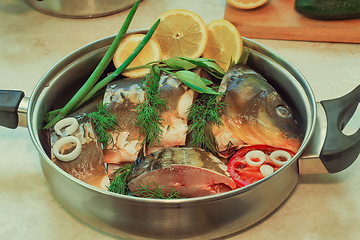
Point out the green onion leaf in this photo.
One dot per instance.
(94, 77)
(122, 67)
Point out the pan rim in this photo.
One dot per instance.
(46, 79)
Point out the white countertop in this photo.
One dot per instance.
(321, 206)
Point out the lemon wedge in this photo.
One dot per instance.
(151, 52)
(224, 43)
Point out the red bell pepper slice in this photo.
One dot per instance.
(242, 173)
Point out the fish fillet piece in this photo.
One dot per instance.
(254, 113)
(123, 97)
(191, 171)
(174, 120)
(89, 166)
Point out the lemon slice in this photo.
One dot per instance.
(181, 33)
(151, 52)
(246, 4)
(224, 43)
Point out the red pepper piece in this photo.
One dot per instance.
(242, 173)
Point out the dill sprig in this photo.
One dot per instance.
(202, 114)
(156, 192)
(104, 122)
(149, 111)
(119, 182)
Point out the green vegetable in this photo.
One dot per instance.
(120, 180)
(194, 81)
(104, 122)
(328, 9)
(149, 111)
(185, 64)
(207, 64)
(51, 115)
(83, 91)
(123, 66)
(203, 113)
(119, 183)
(157, 192)
(179, 64)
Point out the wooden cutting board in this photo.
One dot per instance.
(277, 19)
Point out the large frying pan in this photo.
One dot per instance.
(324, 149)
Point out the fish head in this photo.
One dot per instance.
(257, 112)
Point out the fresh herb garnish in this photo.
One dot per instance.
(191, 79)
(119, 182)
(104, 122)
(149, 111)
(101, 84)
(156, 192)
(195, 82)
(203, 113)
(207, 64)
(180, 66)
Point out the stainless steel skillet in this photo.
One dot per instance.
(205, 217)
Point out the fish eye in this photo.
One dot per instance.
(282, 111)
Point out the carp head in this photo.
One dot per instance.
(256, 111)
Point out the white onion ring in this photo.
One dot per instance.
(266, 170)
(255, 154)
(70, 156)
(279, 153)
(72, 124)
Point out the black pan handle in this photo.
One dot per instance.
(339, 150)
(9, 103)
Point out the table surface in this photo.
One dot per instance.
(321, 206)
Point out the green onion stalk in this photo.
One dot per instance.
(94, 77)
(122, 67)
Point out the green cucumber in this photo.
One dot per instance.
(328, 9)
